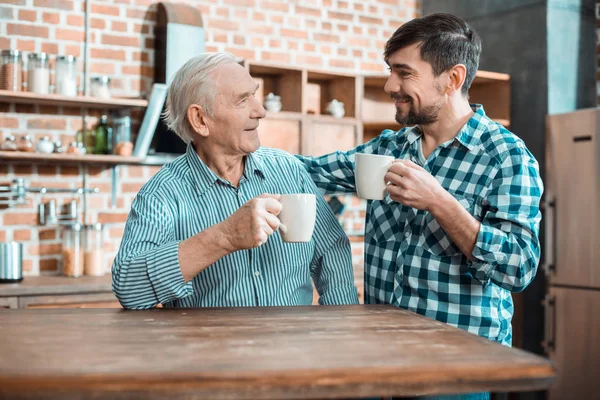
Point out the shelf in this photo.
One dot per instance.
(487, 76)
(331, 120)
(381, 125)
(284, 115)
(7, 96)
(109, 159)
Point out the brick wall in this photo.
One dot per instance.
(336, 35)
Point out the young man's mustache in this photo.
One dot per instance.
(399, 97)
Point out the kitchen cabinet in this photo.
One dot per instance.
(572, 268)
(573, 324)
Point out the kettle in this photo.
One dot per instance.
(11, 262)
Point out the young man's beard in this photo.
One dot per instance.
(426, 116)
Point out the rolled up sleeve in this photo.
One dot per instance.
(146, 270)
(507, 251)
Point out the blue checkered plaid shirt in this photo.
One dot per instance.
(409, 259)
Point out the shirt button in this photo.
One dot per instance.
(257, 273)
(406, 234)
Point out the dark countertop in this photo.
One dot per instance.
(56, 285)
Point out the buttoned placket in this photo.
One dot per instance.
(253, 256)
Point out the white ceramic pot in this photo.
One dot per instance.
(272, 103)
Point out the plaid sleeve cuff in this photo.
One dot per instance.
(487, 253)
(165, 273)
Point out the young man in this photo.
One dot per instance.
(458, 230)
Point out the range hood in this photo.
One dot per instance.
(179, 36)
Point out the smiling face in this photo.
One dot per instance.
(236, 111)
(417, 93)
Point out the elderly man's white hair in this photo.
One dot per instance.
(193, 84)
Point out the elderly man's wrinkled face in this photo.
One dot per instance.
(236, 111)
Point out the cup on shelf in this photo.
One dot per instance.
(100, 86)
(336, 108)
(273, 103)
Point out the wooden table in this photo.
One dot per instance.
(279, 352)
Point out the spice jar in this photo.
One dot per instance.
(58, 148)
(9, 144)
(72, 251)
(93, 256)
(100, 86)
(38, 73)
(72, 149)
(11, 70)
(44, 146)
(65, 75)
(121, 132)
(25, 144)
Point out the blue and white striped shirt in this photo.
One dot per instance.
(184, 198)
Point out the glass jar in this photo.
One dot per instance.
(100, 86)
(38, 73)
(11, 70)
(93, 256)
(72, 250)
(65, 75)
(121, 130)
(44, 146)
(25, 144)
(58, 147)
(9, 144)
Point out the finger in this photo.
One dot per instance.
(395, 193)
(393, 178)
(271, 205)
(412, 165)
(272, 221)
(399, 168)
(262, 239)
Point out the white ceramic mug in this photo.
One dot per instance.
(369, 173)
(297, 216)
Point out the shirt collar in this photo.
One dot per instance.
(469, 135)
(204, 177)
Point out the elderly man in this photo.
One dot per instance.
(204, 230)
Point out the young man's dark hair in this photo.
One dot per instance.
(445, 41)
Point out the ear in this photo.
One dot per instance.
(196, 116)
(456, 78)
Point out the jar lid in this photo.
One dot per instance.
(11, 53)
(68, 58)
(100, 79)
(38, 56)
(94, 227)
(46, 138)
(74, 227)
